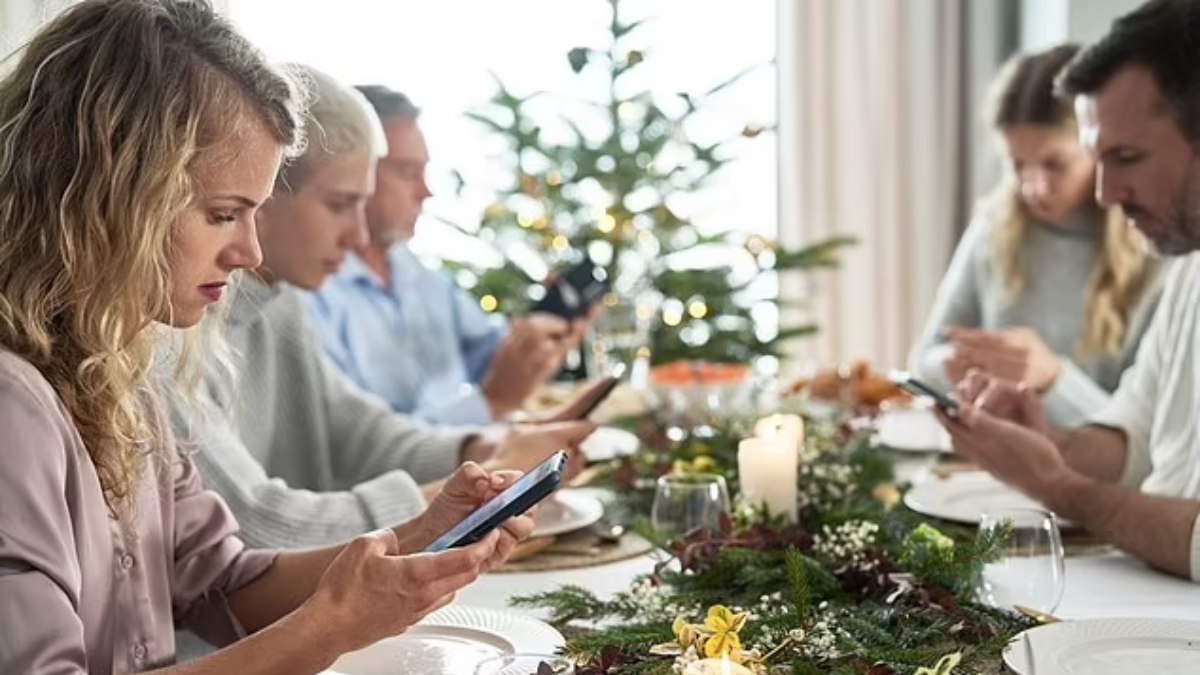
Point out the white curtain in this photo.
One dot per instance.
(875, 97)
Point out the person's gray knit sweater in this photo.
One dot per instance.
(1058, 263)
(301, 455)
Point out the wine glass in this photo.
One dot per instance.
(1030, 569)
(525, 664)
(620, 336)
(684, 504)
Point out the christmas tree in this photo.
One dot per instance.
(608, 195)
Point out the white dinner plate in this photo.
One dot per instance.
(1107, 647)
(911, 429)
(452, 641)
(566, 511)
(607, 443)
(964, 496)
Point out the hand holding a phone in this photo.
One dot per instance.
(584, 403)
(470, 487)
(524, 446)
(528, 357)
(1005, 399)
(371, 590)
(1020, 456)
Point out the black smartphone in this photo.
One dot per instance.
(530, 489)
(610, 383)
(570, 295)
(912, 385)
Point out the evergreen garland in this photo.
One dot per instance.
(858, 586)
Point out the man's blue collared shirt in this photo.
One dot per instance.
(423, 344)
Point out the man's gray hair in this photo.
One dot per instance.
(389, 104)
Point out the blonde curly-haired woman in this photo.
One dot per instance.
(137, 140)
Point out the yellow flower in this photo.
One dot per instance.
(685, 633)
(704, 465)
(724, 627)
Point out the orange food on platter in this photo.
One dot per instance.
(682, 373)
(853, 383)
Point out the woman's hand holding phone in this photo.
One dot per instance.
(524, 446)
(470, 487)
(373, 590)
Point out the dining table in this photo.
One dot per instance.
(1104, 583)
(1099, 582)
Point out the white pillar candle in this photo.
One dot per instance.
(767, 473)
(789, 428)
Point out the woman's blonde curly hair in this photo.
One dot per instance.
(103, 120)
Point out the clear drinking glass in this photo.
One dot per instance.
(526, 664)
(621, 335)
(683, 504)
(1030, 570)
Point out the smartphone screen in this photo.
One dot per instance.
(518, 498)
(912, 385)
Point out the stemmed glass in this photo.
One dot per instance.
(683, 504)
(1030, 570)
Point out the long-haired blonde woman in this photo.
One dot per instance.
(1046, 287)
(137, 140)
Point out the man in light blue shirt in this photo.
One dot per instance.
(406, 332)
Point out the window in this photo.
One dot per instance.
(442, 53)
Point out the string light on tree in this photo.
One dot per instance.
(611, 182)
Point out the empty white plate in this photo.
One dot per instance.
(451, 641)
(964, 496)
(607, 443)
(1107, 647)
(566, 511)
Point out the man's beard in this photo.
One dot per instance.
(1179, 231)
(389, 237)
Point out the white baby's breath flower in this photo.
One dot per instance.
(688, 657)
(847, 543)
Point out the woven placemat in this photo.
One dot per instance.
(577, 549)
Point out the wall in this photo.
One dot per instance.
(1090, 19)
(1048, 22)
